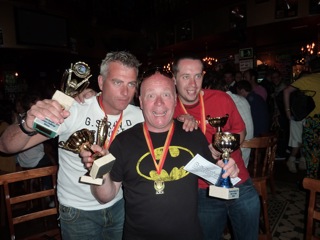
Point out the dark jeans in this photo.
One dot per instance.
(104, 224)
(243, 213)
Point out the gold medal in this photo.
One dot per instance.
(159, 186)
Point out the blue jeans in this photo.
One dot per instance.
(106, 224)
(243, 213)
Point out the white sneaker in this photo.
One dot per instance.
(302, 164)
(292, 166)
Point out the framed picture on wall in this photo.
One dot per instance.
(286, 8)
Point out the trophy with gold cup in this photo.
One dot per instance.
(217, 122)
(225, 143)
(83, 140)
(74, 81)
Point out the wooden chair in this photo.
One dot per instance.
(313, 213)
(13, 199)
(261, 186)
(263, 152)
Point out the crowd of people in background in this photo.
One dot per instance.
(265, 94)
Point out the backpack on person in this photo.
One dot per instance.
(301, 103)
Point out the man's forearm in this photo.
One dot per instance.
(106, 192)
(14, 140)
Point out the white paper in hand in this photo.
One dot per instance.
(206, 169)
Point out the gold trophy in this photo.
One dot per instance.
(225, 143)
(79, 140)
(217, 122)
(83, 139)
(74, 81)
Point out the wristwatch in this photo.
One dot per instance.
(22, 121)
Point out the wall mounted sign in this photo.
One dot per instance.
(245, 53)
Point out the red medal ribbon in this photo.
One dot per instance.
(165, 147)
(115, 129)
(203, 114)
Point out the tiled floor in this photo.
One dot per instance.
(292, 224)
(289, 188)
(292, 197)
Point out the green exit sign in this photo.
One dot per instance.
(246, 53)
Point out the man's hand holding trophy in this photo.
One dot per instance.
(83, 140)
(74, 81)
(225, 143)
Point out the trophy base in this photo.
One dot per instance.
(46, 126)
(65, 100)
(102, 165)
(89, 180)
(224, 193)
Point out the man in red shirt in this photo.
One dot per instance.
(192, 99)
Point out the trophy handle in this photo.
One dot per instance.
(88, 148)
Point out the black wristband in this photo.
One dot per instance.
(22, 120)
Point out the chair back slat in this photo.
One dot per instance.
(28, 174)
(32, 196)
(35, 215)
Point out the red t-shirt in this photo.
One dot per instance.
(218, 104)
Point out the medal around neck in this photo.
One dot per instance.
(225, 143)
(74, 81)
(159, 186)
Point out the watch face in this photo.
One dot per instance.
(22, 116)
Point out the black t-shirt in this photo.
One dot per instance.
(173, 214)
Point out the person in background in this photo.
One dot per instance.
(295, 141)
(210, 79)
(160, 196)
(311, 127)
(268, 85)
(229, 78)
(81, 215)
(251, 76)
(258, 107)
(243, 212)
(279, 118)
(238, 76)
